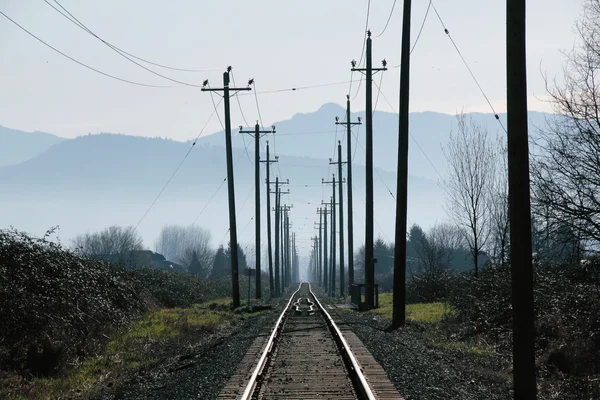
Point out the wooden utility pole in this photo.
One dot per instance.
(235, 283)
(339, 163)
(332, 270)
(519, 203)
(369, 215)
(333, 235)
(286, 244)
(350, 209)
(256, 134)
(278, 235)
(277, 287)
(320, 248)
(324, 213)
(399, 298)
(269, 248)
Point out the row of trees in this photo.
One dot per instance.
(185, 246)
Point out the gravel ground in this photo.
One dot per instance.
(421, 372)
(199, 371)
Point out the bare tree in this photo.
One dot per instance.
(113, 244)
(566, 167)
(470, 165)
(499, 221)
(437, 248)
(188, 246)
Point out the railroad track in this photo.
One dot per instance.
(307, 356)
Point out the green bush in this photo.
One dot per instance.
(57, 307)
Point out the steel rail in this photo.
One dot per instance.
(249, 391)
(345, 348)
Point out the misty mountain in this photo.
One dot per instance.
(313, 134)
(18, 146)
(90, 182)
(93, 181)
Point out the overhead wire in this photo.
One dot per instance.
(421, 29)
(294, 89)
(388, 20)
(468, 67)
(362, 52)
(244, 118)
(81, 63)
(177, 169)
(75, 21)
(145, 60)
(418, 145)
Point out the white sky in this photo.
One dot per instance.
(281, 44)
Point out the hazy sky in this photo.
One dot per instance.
(281, 44)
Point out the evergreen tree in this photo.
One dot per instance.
(196, 266)
(221, 265)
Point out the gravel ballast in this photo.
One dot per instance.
(199, 371)
(421, 372)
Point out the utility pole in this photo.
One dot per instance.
(235, 283)
(333, 244)
(256, 134)
(324, 213)
(332, 257)
(269, 249)
(277, 287)
(369, 216)
(519, 203)
(339, 163)
(317, 251)
(399, 297)
(350, 209)
(320, 248)
(286, 240)
(278, 236)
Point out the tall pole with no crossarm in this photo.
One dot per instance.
(256, 134)
(235, 283)
(369, 215)
(399, 298)
(524, 374)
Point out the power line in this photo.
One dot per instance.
(79, 62)
(258, 107)
(362, 52)
(178, 167)
(421, 29)
(293, 89)
(243, 117)
(388, 20)
(210, 200)
(215, 106)
(75, 21)
(147, 61)
(419, 146)
(468, 68)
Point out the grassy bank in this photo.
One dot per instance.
(70, 324)
(431, 319)
(151, 340)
